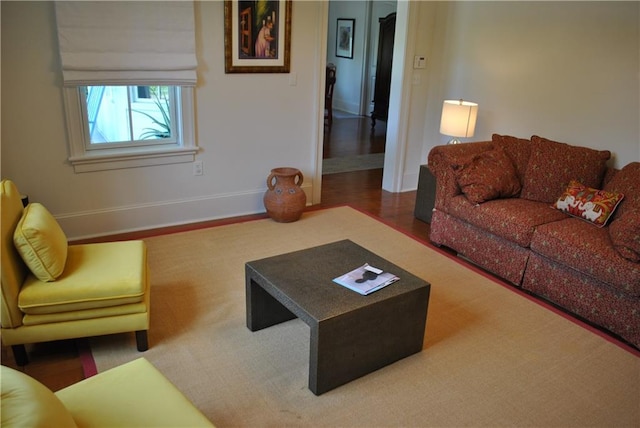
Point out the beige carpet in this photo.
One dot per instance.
(491, 357)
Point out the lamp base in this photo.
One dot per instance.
(454, 141)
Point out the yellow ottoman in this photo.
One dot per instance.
(135, 394)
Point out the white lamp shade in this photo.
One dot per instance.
(458, 118)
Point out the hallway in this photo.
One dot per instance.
(350, 144)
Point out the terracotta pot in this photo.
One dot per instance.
(285, 200)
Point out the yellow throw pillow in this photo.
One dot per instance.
(28, 403)
(41, 242)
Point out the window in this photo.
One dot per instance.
(113, 127)
(111, 56)
(129, 115)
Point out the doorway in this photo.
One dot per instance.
(351, 143)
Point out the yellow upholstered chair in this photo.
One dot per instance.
(134, 394)
(54, 291)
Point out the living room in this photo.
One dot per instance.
(526, 63)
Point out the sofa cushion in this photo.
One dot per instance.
(513, 219)
(624, 227)
(593, 205)
(487, 175)
(579, 245)
(552, 165)
(97, 276)
(518, 149)
(41, 242)
(27, 403)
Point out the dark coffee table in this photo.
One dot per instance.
(351, 334)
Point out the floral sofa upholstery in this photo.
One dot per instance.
(550, 218)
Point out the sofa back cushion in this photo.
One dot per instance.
(518, 149)
(552, 165)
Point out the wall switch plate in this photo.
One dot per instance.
(197, 168)
(419, 62)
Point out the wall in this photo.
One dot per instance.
(568, 71)
(246, 125)
(347, 90)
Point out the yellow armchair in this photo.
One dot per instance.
(54, 291)
(134, 394)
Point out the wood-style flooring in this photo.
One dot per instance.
(57, 364)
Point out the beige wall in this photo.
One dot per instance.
(563, 70)
(246, 125)
(566, 71)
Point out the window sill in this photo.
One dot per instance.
(119, 159)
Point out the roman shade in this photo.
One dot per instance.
(126, 43)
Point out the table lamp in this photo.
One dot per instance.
(458, 119)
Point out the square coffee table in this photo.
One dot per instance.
(351, 334)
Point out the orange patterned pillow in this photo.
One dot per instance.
(588, 204)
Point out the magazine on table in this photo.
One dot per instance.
(366, 279)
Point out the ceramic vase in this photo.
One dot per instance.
(284, 199)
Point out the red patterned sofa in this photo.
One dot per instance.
(510, 206)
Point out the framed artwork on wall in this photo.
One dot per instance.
(257, 36)
(344, 37)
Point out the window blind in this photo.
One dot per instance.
(126, 43)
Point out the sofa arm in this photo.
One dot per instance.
(440, 161)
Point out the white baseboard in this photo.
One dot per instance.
(111, 221)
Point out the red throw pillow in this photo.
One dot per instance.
(624, 229)
(588, 204)
(487, 175)
(625, 235)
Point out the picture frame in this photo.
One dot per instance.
(257, 36)
(345, 28)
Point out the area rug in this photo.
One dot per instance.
(353, 163)
(491, 356)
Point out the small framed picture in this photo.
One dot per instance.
(344, 37)
(257, 36)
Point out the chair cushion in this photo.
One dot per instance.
(27, 403)
(41, 242)
(96, 276)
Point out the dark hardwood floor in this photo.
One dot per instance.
(57, 364)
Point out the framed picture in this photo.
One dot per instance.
(257, 36)
(344, 37)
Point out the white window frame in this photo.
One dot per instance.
(84, 160)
